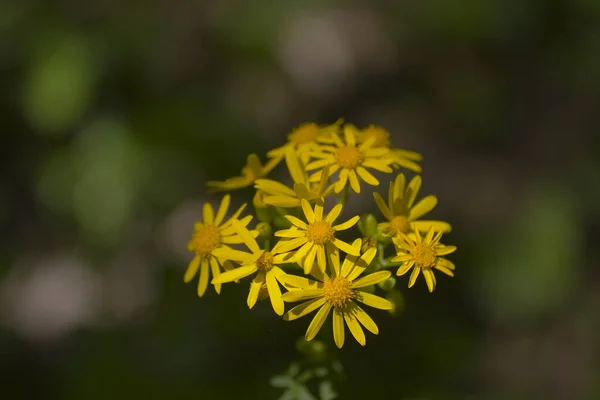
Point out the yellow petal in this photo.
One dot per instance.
(338, 328)
(290, 233)
(349, 135)
(367, 176)
(345, 247)
(297, 222)
(355, 328)
(424, 206)
(216, 271)
(317, 322)
(404, 268)
(292, 244)
(371, 279)
(412, 190)
(321, 261)
(354, 184)
(235, 215)
(378, 165)
(230, 254)
(399, 186)
(293, 164)
(348, 224)
(361, 264)
(245, 234)
(443, 250)
(403, 162)
(192, 269)
(410, 155)
(373, 301)
(333, 255)
(444, 269)
(230, 229)
(402, 257)
(446, 263)
(382, 206)
(301, 191)
(304, 308)
(430, 279)
(207, 213)
(275, 294)
(342, 180)
(203, 282)
(318, 212)
(309, 260)
(318, 164)
(364, 318)
(253, 162)
(223, 207)
(334, 213)
(299, 281)
(413, 277)
(423, 226)
(308, 212)
(235, 274)
(255, 286)
(302, 294)
(303, 251)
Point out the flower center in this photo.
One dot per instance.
(320, 232)
(424, 255)
(400, 224)
(380, 137)
(337, 291)
(305, 133)
(265, 261)
(349, 157)
(205, 240)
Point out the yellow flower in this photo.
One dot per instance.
(424, 255)
(252, 171)
(279, 195)
(316, 238)
(340, 292)
(258, 260)
(401, 212)
(351, 159)
(211, 234)
(381, 138)
(305, 139)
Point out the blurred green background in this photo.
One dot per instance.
(114, 115)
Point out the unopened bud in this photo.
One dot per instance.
(264, 230)
(368, 225)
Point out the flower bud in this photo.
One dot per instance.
(396, 298)
(368, 225)
(264, 230)
(368, 243)
(264, 212)
(388, 284)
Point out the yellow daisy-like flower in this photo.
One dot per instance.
(401, 211)
(252, 171)
(381, 138)
(305, 139)
(340, 292)
(280, 195)
(352, 159)
(424, 254)
(209, 235)
(258, 260)
(316, 238)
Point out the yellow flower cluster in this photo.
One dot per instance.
(297, 244)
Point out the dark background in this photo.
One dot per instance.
(115, 113)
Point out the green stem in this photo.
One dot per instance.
(344, 198)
